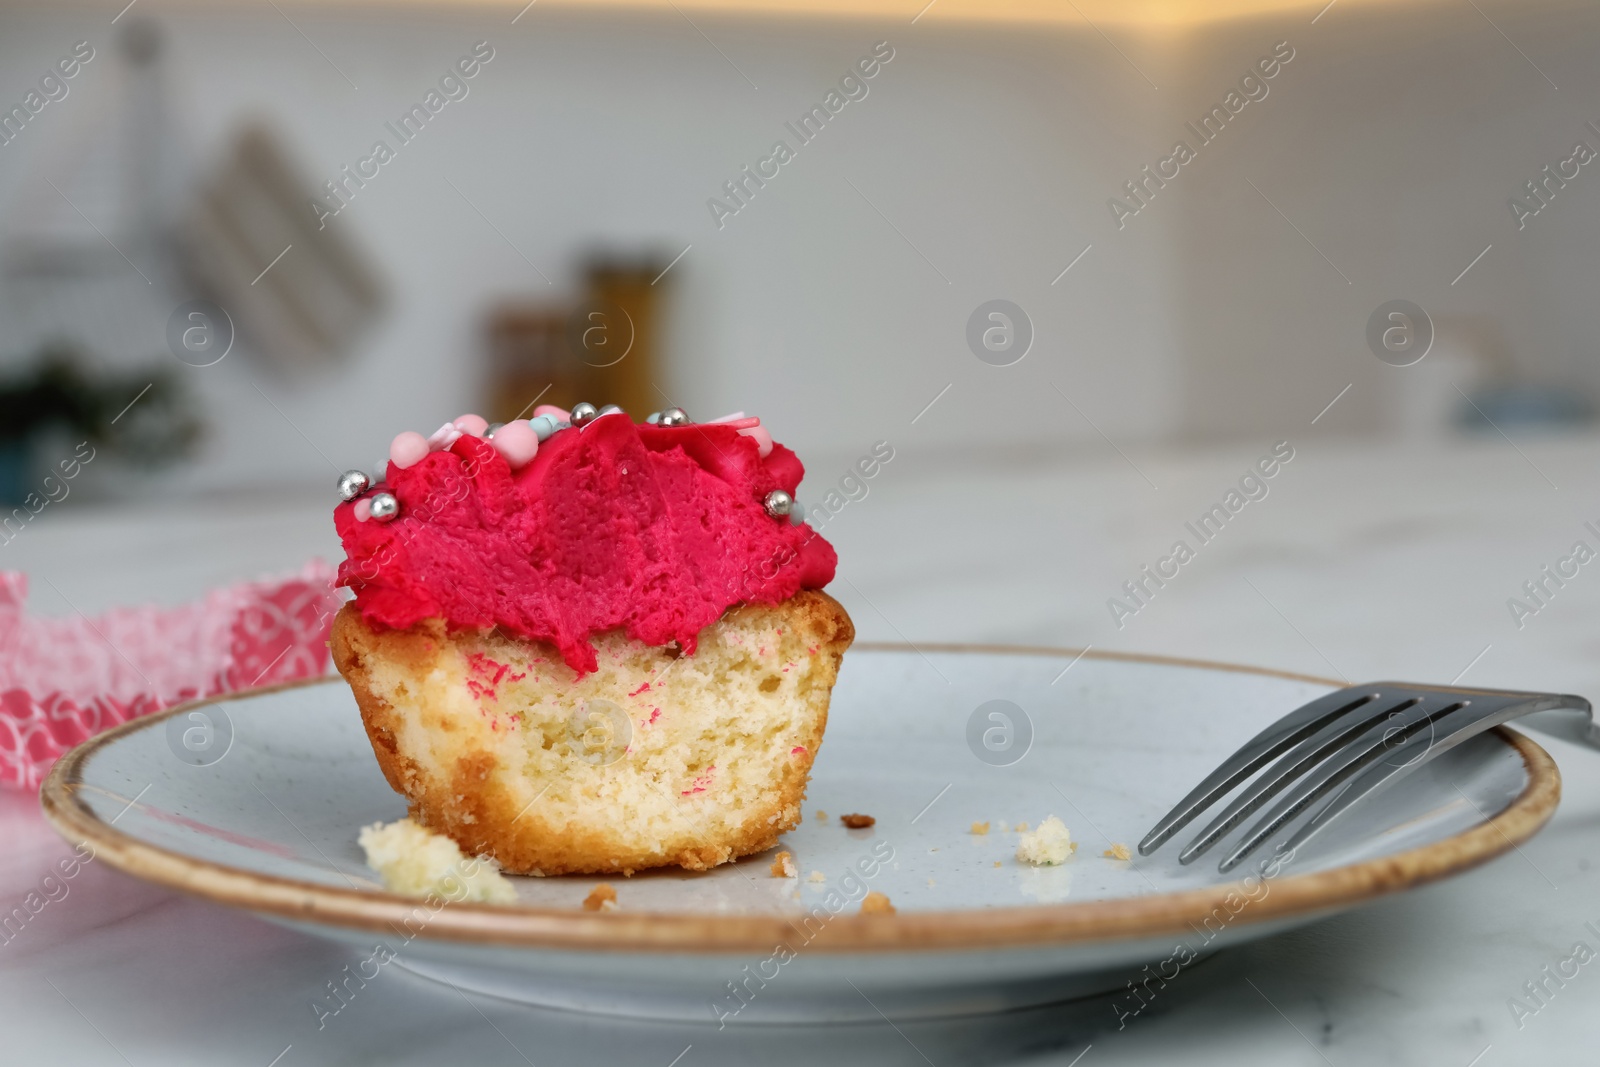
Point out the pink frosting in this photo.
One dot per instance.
(653, 530)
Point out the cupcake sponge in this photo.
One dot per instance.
(654, 759)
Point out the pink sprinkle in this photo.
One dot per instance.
(761, 437)
(798, 750)
(517, 442)
(474, 425)
(363, 509)
(482, 664)
(491, 671)
(735, 417)
(700, 783)
(639, 690)
(763, 651)
(812, 650)
(407, 449)
(655, 713)
(443, 437)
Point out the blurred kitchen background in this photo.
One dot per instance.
(168, 292)
(578, 166)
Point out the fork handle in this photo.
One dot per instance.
(1568, 723)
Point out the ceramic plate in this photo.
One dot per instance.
(254, 801)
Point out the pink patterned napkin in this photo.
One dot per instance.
(64, 680)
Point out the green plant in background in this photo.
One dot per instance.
(145, 415)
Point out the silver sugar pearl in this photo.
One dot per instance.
(544, 426)
(611, 409)
(352, 484)
(583, 414)
(673, 417)
(493, 426)
(778, 503)
(384, 506)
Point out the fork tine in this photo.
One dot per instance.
(1254, 754)
(1322, 746)
(1381, 739)
(1376, 766)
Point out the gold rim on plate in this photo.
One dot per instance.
(988, 928)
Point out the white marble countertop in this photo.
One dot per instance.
(1363, 561)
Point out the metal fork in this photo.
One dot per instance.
(1352, 743)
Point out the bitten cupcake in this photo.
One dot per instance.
(582, 644)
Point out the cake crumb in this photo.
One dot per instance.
(876, 903)
(416, 862)
(980, 828)
(997, 863)
(857, 822)
(783, 866)
(1047, 846)
(816, 876)
(1117, 851)
(930, 883)
(601, 898)
(822, 816)
(1022, 827)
